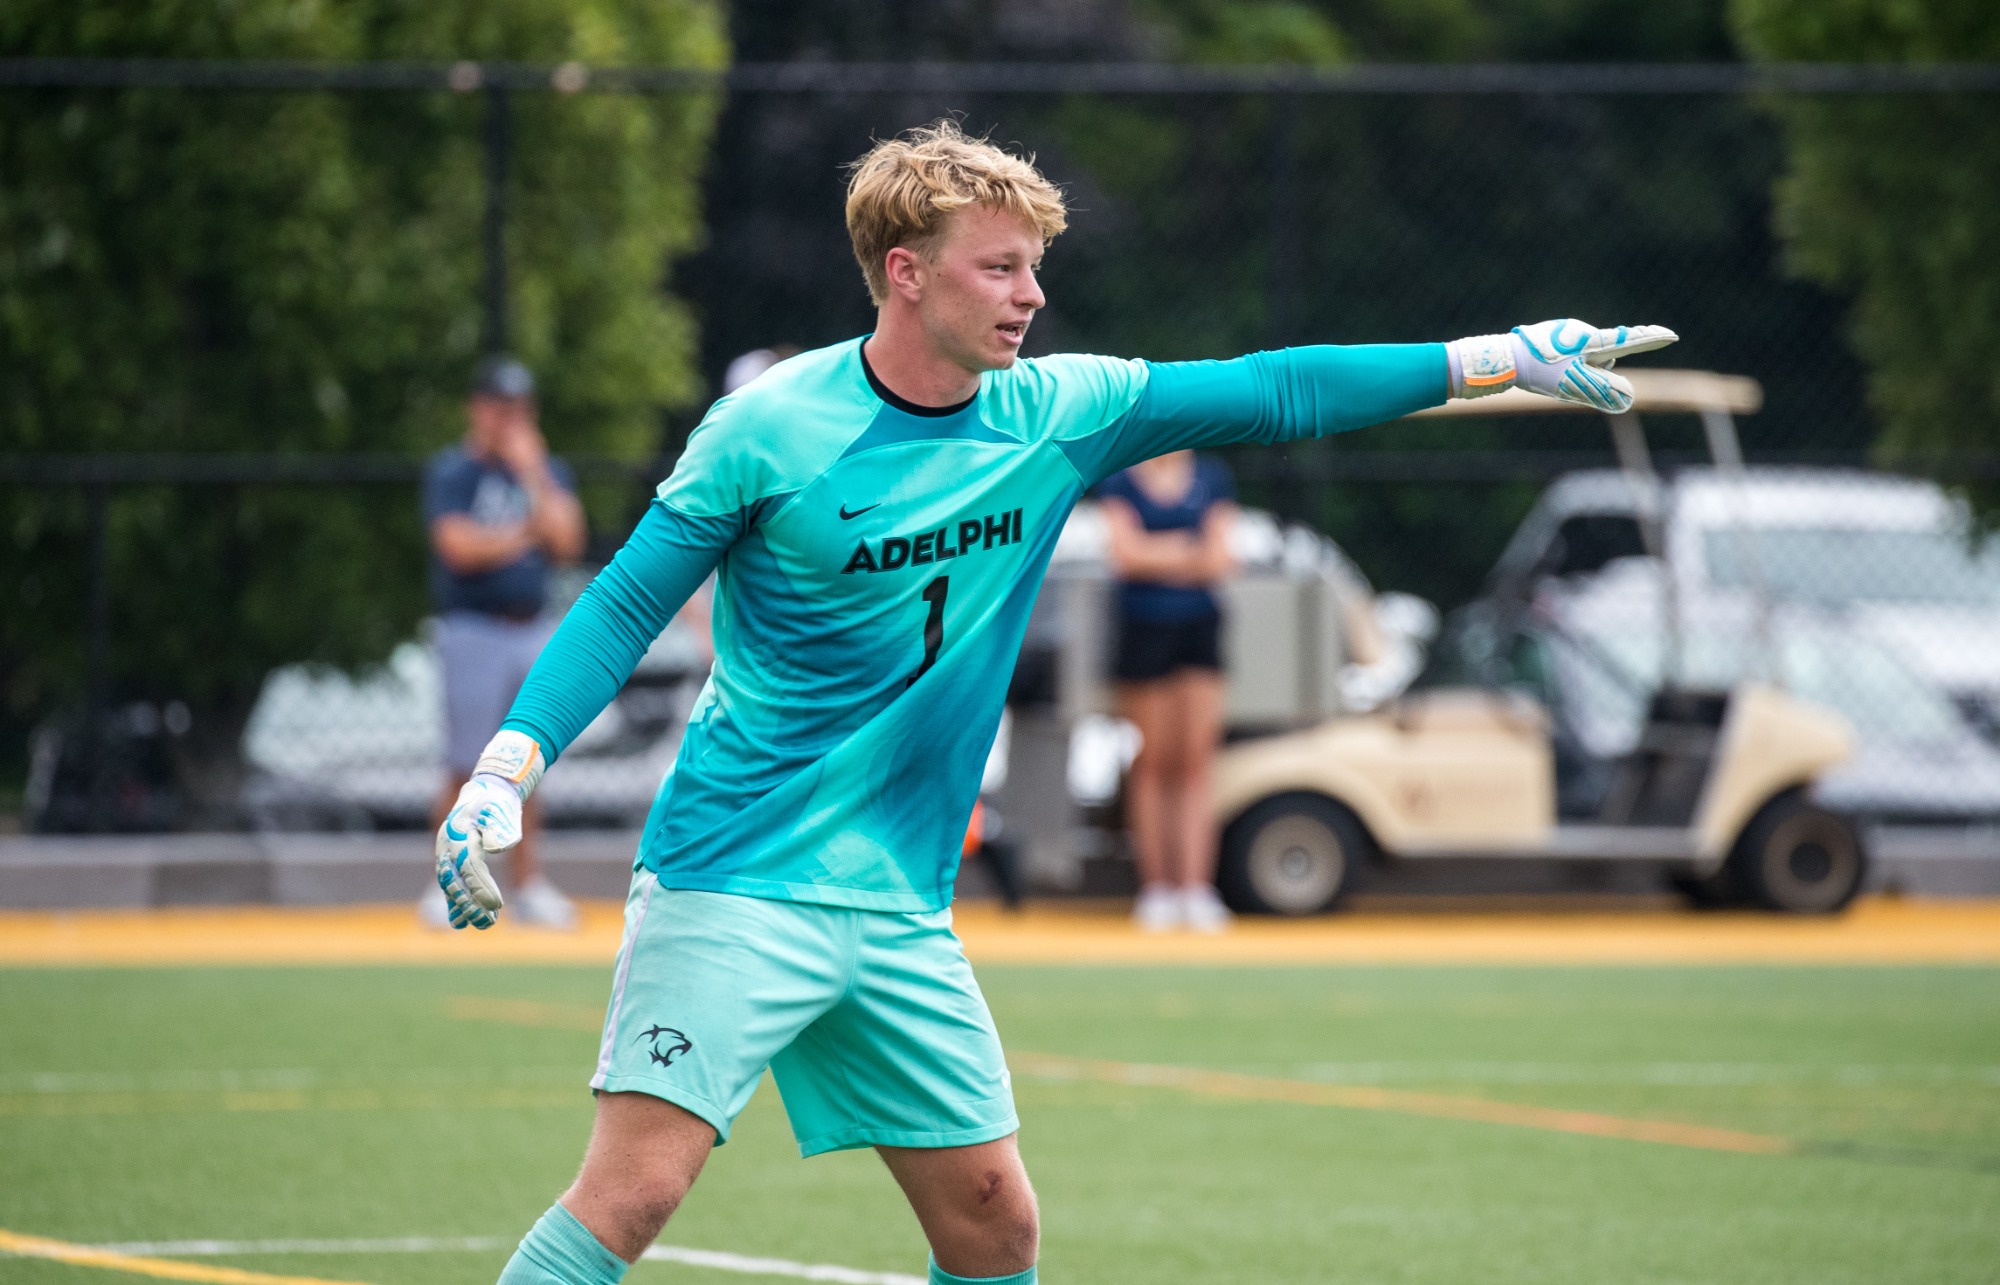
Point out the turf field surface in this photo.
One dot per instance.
(1216, 1124)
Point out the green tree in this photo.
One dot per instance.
(220, 271)
(1893, 198)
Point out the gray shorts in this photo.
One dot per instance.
(485, 659)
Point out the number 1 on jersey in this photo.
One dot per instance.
(934, 593)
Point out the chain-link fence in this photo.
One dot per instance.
(1212, 214)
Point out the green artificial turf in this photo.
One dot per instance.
(240, 1104)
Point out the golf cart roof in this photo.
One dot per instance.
(1666, 391)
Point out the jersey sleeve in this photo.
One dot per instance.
(734, 465)
(616, 619)
(1264, 398)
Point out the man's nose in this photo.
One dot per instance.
(1030, 296)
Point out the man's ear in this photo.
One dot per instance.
(905, 270)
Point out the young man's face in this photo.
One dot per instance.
(978, 288)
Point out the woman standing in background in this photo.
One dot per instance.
(1169, 521)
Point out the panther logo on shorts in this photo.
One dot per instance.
(664, 1044)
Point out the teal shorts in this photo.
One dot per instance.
(869, 1020)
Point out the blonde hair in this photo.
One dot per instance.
(905, 188)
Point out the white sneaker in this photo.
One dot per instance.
(542, 904)
(1203, 911)
(1158, 909)
(432, 912)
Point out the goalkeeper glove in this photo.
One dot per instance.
(485, 821)
(1568, 360)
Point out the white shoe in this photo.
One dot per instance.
(432, 912)
(1203, 911)
(1158, 909)
(542, 904)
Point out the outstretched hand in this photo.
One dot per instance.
(1568, 360)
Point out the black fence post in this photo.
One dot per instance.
(499, 153)
(97, 648)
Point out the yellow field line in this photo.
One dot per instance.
(62, 1251)
(1259, 1088)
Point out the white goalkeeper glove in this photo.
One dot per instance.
(1568, 360)
(484, 822)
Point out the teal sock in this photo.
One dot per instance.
(939, 1276)
(559, 1250)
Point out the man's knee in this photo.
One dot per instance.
(627, 1212)
(644, 1154)
(634, 1218)
(1002, 1205)
(1019, 1234)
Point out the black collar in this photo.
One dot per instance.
(903, 404)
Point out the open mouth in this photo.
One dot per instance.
(1013, 331)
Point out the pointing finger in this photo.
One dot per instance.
(1614, 342)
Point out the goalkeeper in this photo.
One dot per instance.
(878, 515)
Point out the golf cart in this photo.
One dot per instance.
(1717, 788)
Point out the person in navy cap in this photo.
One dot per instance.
(500, 511)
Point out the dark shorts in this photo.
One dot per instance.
(1149, 649)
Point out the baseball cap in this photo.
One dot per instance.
(502, 376)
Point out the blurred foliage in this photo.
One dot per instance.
(1532, 30)
(196, 271)
(1897, 199)
(1270, 31)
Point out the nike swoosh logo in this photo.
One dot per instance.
(845, 516)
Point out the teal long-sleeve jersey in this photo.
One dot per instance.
(876, 563)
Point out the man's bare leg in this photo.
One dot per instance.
(974, 1203)
(644, 1154)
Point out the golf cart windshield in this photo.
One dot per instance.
(1831, 566)
(1610, 672)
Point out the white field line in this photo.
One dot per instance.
(717, 1260)
(777, 1267)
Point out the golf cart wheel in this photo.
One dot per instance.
(1292, 854)
(1799, 858)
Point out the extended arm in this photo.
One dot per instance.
(1273, 397)
(592, 653)
(1314, 391)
